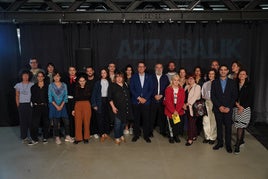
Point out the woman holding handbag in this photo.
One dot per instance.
(174, 101)
(193, 93)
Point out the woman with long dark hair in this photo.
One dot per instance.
(242, 111)
(100, 104)
(82, 110)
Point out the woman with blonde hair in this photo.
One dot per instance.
(174, 101)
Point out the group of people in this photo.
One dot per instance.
(134, 103)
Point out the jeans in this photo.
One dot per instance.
(118, 128)
(56, 126)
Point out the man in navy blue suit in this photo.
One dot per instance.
(223, 95)
(160, 83)
(141, 91)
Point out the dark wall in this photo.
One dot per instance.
(187, 44)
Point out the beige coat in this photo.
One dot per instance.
(194, 94)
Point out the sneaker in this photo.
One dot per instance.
(25, 141)
(236, 150)
(131, 131)
(242, 144)
(58, 141)
(126, 131)
(32, 143)
(69, 139)
(96, 136)
(45, 141)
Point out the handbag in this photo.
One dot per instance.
(199, 108)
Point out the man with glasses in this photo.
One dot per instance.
(141, 91)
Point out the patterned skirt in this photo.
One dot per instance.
(241, 120)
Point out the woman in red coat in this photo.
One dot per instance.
(174, 100)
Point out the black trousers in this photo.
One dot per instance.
(40, 114)
(25, 115)
(103, 117)
(70, 108)
(182, 124)
(141, 115)
(174, 127)
(93, 123)
(56, 126)
(226, 120)
(158, 118)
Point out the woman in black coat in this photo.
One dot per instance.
(242, 111)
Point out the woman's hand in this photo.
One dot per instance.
(73, 112)
(95, 108)
(115, 110)
(176, 113)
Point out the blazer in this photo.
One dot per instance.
(164, 82)
(193, 95)
(136, 89)
(226, 98)
(245, 95)
(170, 107)
(96, 99)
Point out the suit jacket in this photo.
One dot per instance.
(193, 95)
(226, 98)
(164, 82)
(136, 89)
(170, 107)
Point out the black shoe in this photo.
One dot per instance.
(76, 142)
(229, 149)
(211, 142)
(236, 150)
(217, 146)
(135, 138)
(171, 140)
(189, 143)
(177, 139)
(195, 138)
(148, 140)
(86, 141)
(205, 141)
(151, 135)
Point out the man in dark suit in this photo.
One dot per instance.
(141, 91)
(223, 95)
(160, 82)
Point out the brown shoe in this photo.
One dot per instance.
(123, 139)
(117, 141)
(102, 139)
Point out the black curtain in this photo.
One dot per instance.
(9, 63)
(187, 44)
(44, 42)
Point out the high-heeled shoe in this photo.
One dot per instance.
(188, 143)
(76, 142)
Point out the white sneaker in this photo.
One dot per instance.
(126, 131)
(96, 136)
(58, 141)
(25, 141)
(33, 143)
(69, 139)
(131, 131)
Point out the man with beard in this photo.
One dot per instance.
(171, 70)
(91, 80)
